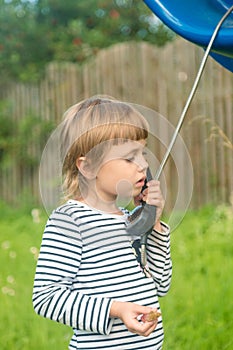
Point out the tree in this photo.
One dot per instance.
(23, 44)
(36, 32)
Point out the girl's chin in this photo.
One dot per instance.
(138, 190)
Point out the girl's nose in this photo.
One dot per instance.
(142, 163)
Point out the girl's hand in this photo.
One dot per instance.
(130, 314)
(152, 195)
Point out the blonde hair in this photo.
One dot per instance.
(91, 123)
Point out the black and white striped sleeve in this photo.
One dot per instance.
(159, 259)
(54, 296)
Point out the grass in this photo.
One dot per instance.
(197, 311)
(20, 327)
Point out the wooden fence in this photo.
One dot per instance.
(158, 78)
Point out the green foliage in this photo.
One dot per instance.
(197, 312)
(34, 33)
(32, 132)
(22, 139)
(23, 43)
(6, 130)
(21, 143)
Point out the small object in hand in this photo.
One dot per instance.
(151, 316)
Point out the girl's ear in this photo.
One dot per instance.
(84, 167)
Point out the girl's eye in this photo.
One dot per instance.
(129, 159)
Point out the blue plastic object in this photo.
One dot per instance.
(195, 20)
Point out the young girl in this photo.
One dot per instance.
(88, 275)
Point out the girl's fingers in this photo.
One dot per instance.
(148, 328)
(152, 195)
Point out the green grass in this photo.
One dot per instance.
(20, 327)
(197, 311)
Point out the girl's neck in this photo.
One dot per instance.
(106, 207)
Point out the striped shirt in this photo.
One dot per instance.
(86, 261)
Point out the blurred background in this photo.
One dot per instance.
(54, 53)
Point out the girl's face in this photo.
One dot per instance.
(122, 173)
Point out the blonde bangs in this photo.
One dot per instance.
(116, 132)
(123, 131)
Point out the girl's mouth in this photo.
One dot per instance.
(140, 182)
